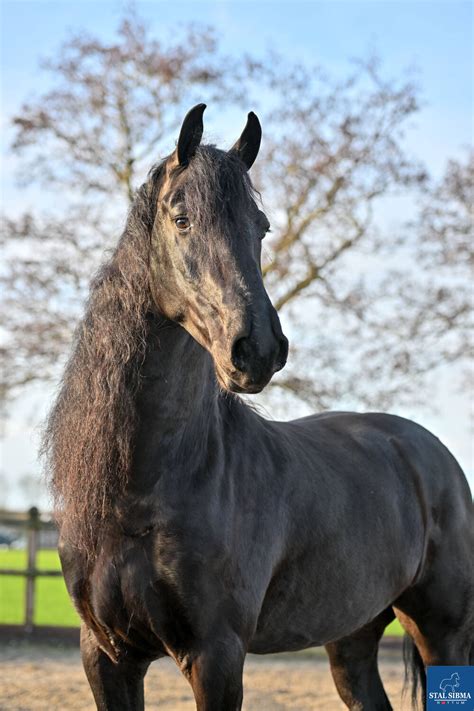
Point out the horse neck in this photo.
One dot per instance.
(177, 404)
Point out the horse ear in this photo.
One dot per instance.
(190, 134)
(248, 145)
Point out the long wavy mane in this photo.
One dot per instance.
(87, 443)
(88, 439)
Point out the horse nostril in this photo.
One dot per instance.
(283, 354)
(241, 351)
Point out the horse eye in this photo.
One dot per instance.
(182, 223)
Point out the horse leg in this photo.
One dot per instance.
(215, 674)
(438, 611)
(353, 661)
(440, 638)
(116, 687)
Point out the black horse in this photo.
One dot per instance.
(193, 527)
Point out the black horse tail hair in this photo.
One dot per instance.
(415, 675)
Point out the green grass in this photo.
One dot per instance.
(53, 604)
(394, 629)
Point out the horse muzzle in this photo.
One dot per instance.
(253, 362)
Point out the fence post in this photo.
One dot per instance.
(33, 532)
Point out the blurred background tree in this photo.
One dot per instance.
(369, 315)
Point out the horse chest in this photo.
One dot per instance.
(159, 591)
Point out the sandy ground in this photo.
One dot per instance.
(41, 677)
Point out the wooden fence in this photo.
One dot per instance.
(33, 528)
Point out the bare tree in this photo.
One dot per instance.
(332, 150)
(404, 310)
(88, 142)
(436, 289)
(113, 104)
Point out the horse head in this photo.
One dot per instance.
(205, 256)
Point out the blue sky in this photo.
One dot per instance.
(433, 38)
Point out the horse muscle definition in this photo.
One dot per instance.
(193, 527)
